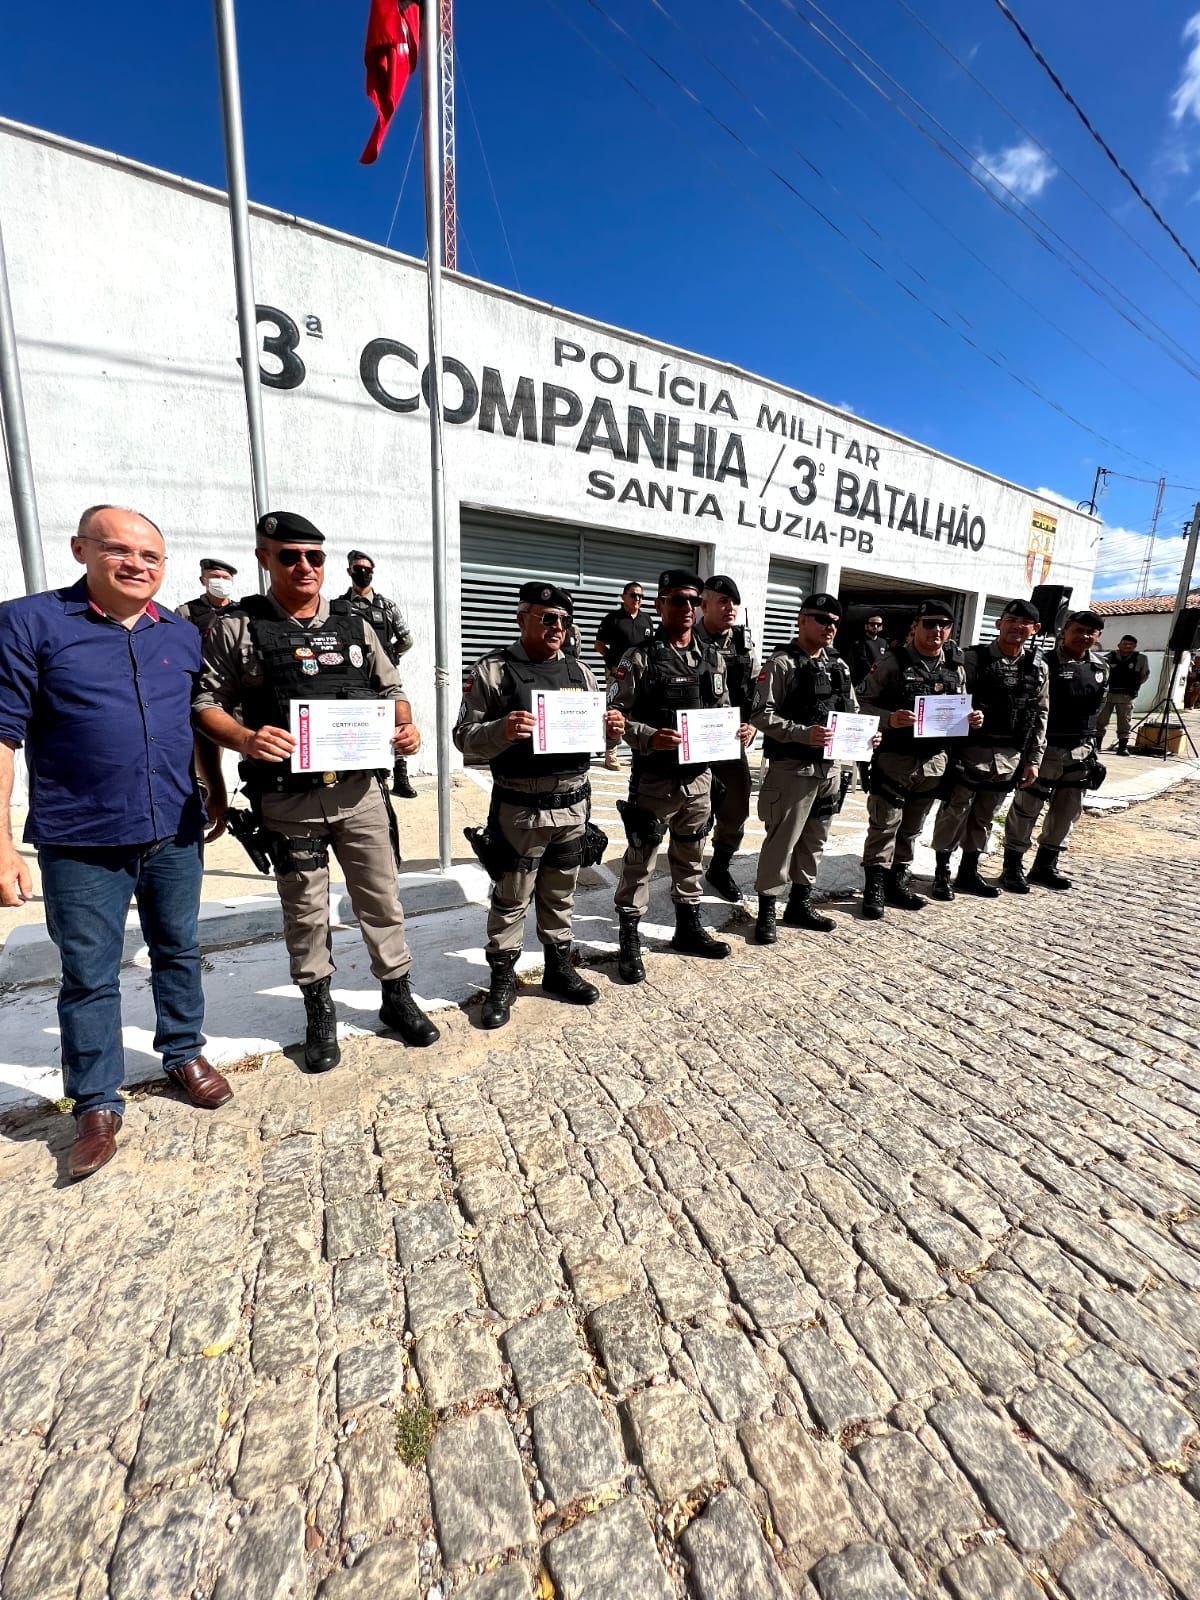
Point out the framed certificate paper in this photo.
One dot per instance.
(709, 735)
(942, 716)
(567, 722)
(342, 735)
(852, 736)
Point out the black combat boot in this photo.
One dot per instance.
(497, 1003)
(561, 979)
(1122, 747)
(1045, 869)
(401, 1013)
(692, 938)
(800, 914)
(942, 889)
(720, 877)
(970, 882)
(320, 1036)
(872, 896)
(1013, 877)
(764, 927)
(898, 890)
(400, 780)
(629, 962)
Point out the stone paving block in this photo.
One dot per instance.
(895, 1349)
(836, 1395)
(565, 1205)
(1154, 1346)
(651, 1123)
(1161, 1424)
(159, 1546)
(574, 1445)
(480, 1501)
(808, 1503)
(423, 1231)
(679, 1167)
(1095, 1244)
(458, 1364)
(544, 1353)
(613, 1164)
(1014, 1491)
(29, 1382)
(727, 1225)
(730, 1558)
(509, 1583)
(628, 1339)
(515, 1272)
(55, 1540)
(905, 1268)
(106, 1390)
(485, 1195)
(640, 1217)
(609, 1555)
(1022, 1310)
(182, 1425)
(368, 1375)
(882, 1175)
(387, 1569)
(977, 1339)
(842, 1203)
(991, 1573)
(361, 1290)
(478, 1152)
(347, 1170)
(925, 1507)
(967, 1200)
(673, 1440)
(770, 1295)
(283, 1332)
(860, 1572)
(541, 1156)
(599, 1271)
(353, 1227)
(1164, 1521)
(1074, 1436)
(410, 1177)
(265, 1559)
(682, 1286)
(436, 1293)
(279, 1444)
(378, 1489)
(948, 1241)
(208, 1315)
(1103, 1573)
(1160, 1247)
(773, 1194)
(734, 1383)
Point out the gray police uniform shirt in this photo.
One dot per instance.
(399, 639)
(724, 643)
(623, 691)
(772, 687)
(876, 698)
(1002, 762)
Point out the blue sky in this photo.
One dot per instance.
(625, 200)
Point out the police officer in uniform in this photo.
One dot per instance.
(292, 644)
(384, 616)
(217, 578)
(1078, 681)
(540, 803)
(796, 691)
(1128, 670)
(905, 774)
(718, 626)
(669, 673)
(1010, 685)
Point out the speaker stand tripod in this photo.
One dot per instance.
(1164, 710)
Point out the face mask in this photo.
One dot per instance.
(361, 576)
(219, 588)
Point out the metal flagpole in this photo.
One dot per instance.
(430, 56)
(1170, 665)
(16, 444)
(243, 265)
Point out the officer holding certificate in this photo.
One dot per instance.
(537, 836)
(291, 644)
(907, 772)
(655, 682)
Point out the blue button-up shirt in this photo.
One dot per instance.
(104, 712)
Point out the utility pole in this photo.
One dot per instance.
(1148, 558)
(15, 434)
(1101, 476)
(1181, 599)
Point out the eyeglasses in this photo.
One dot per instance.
(292, 558)
(554, 619)
(150, 559)
(823, 618)
(633, 594)
(681, 600)
(937, 623)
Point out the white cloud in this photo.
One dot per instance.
(1185, 102)
(1021, 169)
(1119, 563)
(1053, 494)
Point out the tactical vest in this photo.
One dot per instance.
(668, 687)
(739, 668)
(820, 684)
(518, 683)
(373, 609)
(1077, 691)
(201, 612)
(1124, 676)
(326, 662)
(1006, 691)
(917, 676)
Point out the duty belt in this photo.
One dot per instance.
(560, 801)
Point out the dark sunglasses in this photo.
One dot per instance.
(682, 600)
(292, 558)
(554, 619)
(940, 623)
(823, 618)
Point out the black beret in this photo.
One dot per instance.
(934, 608)
(822, 602)
(1089, 619)
(540, 593)
(358, 555)
(285, 525)
(679, 578)
(1025, 609)
(209, 565)
(720, 584)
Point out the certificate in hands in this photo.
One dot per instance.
(567, 722)
(709, 735)
(342, 735)
(852, 736)
(942, 716)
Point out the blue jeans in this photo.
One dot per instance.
(87, 894)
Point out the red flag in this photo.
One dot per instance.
(393, 36)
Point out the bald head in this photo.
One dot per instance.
(125, 557)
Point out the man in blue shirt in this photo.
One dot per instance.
(96, 683)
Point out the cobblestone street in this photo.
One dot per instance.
(861, 1268)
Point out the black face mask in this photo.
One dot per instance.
(361, 576)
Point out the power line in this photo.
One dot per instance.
(403, 182)
(487, 169)
(1098, 137)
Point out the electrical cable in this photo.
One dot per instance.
(486, 166)
(403, 182)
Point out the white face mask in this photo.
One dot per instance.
(219, 588)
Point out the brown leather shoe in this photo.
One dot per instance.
(203, 1084)
(95, 1142)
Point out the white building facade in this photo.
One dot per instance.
(574, 451)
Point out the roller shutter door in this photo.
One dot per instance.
(787, 584)
(499, 554)
(990, 620)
